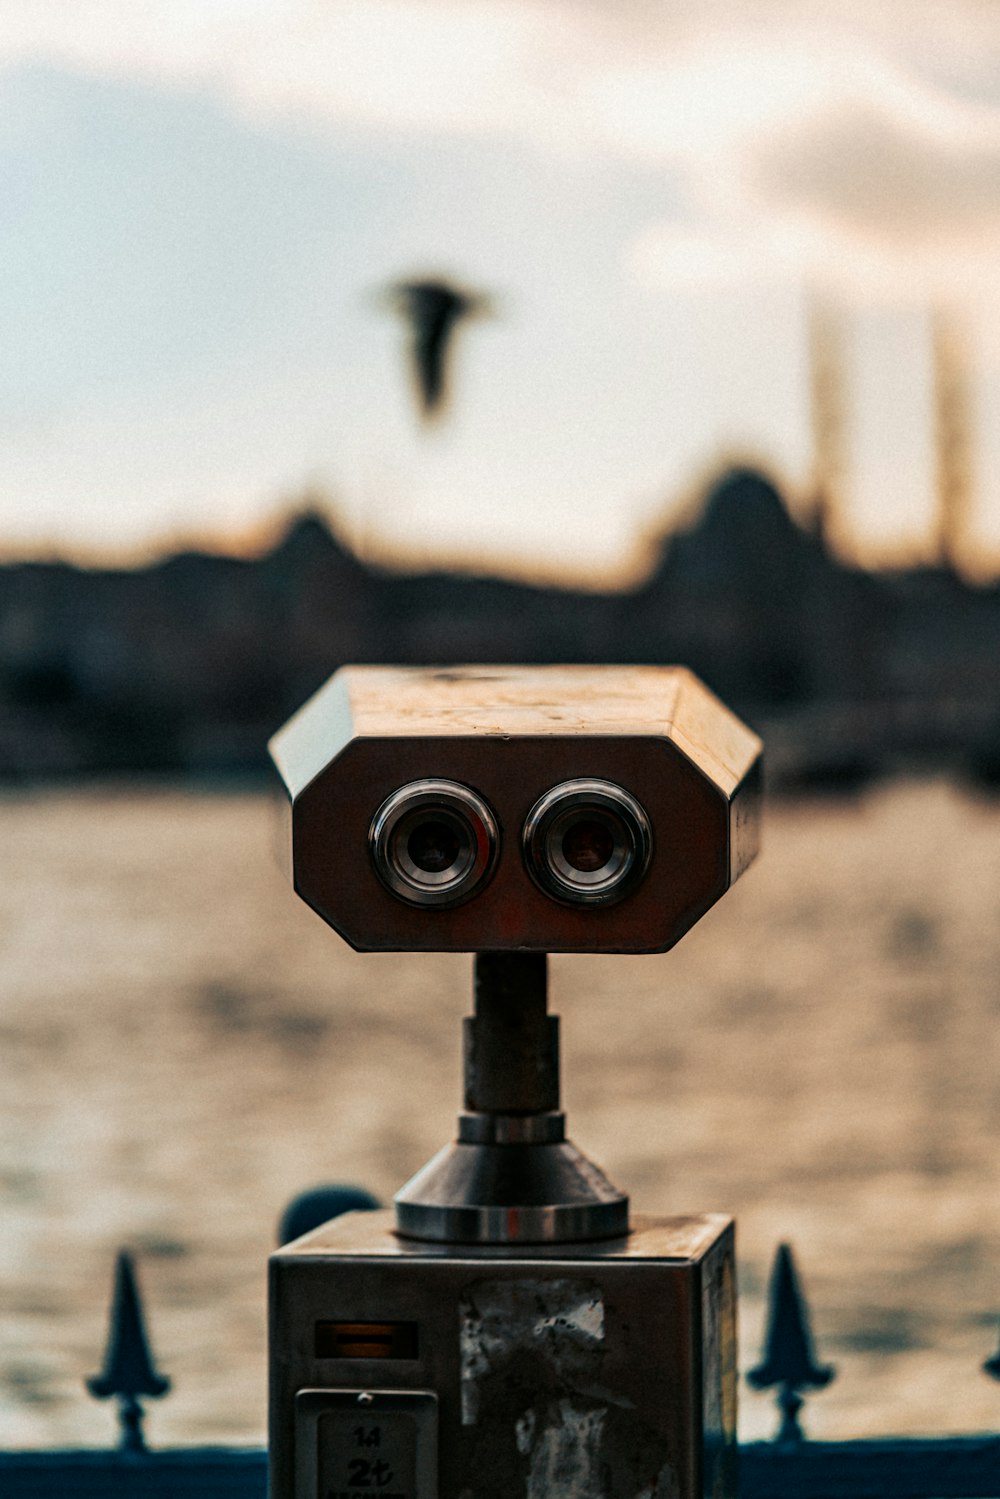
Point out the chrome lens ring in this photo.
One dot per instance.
(587, 843)
(434, 843)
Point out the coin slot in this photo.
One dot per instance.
(366, 1340)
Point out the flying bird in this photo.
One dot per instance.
(432, 310)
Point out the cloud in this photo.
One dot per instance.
(397, 65)
(854, 174)
(892, 179)
(697, 258)
(212, 219)
(639, 78)
(817, 137)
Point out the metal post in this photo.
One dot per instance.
(511, 1044)
(511, 1177)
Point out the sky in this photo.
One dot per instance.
(201, 204)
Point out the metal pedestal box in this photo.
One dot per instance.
(409, 1370)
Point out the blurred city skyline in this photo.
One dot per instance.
(767, 232)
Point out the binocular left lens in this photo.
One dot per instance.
(433, 843)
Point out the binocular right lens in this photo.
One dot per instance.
(433, 843)
(587, 843)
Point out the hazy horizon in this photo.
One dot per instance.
(678, 514)
(201, 212)
(543, 570)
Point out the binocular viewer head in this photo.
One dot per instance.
(541, 809)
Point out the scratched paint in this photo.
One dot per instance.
(555, 1329)
(586, 1317)
(543, 1422)
(566, 1455)
(559, 1321)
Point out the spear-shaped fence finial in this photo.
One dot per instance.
(789, 1361)
(129, 1370)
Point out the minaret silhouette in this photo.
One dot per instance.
(952, 436)
(828, 410)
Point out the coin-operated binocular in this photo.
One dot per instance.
(506, 1332)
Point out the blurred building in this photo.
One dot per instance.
(190, 664)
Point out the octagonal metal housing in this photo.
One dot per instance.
(510, 734)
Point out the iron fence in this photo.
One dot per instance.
(789, 1467)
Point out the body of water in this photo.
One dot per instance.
(184, 1046)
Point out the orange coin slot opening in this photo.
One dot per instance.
(366, 1340)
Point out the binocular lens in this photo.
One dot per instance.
(433, 847)
(588, 845)
(433, 843)
(587, 842)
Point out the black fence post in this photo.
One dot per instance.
(788, 1360)
(129, 1370)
